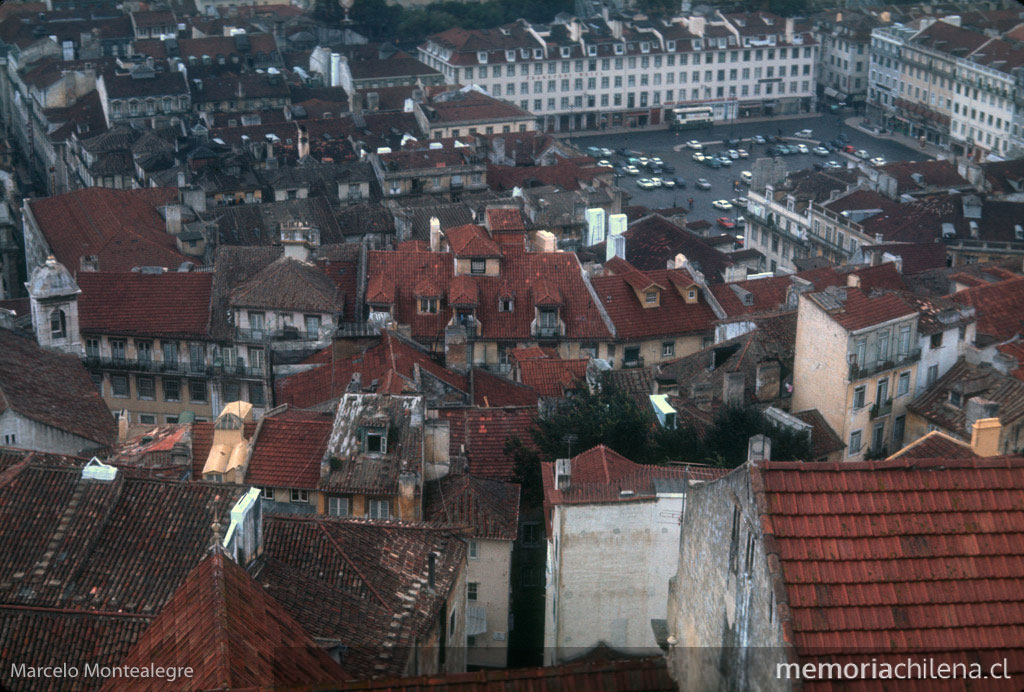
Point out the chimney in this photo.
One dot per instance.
(985, 437)
(879, 238)
(302, 150)
(7, 319)
(766, 388)
(456, 353)
(408, 507)
(356, 103)
(182, 182)
(372, 102)
(181, 455)
(615, 247)
(852, 281)
(89, 263)
(733, 386)
(978, 408)
(759, 448)
(435, 234)
(122, 425)
(563, 473)
(544, 241)
(172, 217)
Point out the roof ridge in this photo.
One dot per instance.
(220, 616)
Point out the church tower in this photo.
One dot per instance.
(54, 299)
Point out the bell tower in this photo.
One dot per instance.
(54, 298)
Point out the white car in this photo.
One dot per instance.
(877, 161)
(733, 154)
(694, 144)
(656, 182)
(668, 182)
(820, 151)
(698, 157)
(804, 134)
(746, 176)
(605, 151)
(656, 160)
(631, 170)
(643, 160)
(645, 184)
(757, 139)
(723, 204)
(862, 154)
(802, 148)
(744, 154)
(605, 163)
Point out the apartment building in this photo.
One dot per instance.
(845, 56)
(885, 68)
(987, 101)
(595, 73)
(875, 334)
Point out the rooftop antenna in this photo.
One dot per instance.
(568, 440)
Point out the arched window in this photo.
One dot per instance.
(58, 324)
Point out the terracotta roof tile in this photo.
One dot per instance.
(490, 390)
(505, 220)
(287, 453)
(999, 307)
(484, 508)
(553, 377)
(292, 285)
(471, 240)
(859, 309)
(173, 304)
(53, 389)
(231, 633)
(120, 227)
(966, 381)
(935, 445)
(673, 316)
(906, 557)
(483, 432)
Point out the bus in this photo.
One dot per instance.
(691, 117)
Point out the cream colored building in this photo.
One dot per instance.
(856, 362)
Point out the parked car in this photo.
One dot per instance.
(712, 162)
(656, 182)
(642, 160)
(744, 154)
(801, 148)
(877, 161)
(605, 151)
(804, 134)
(820, 151)
(668, 182)
(695, 145)
(757, 139)
(732, 141)
(645, 184)
(655, 170)
(833, 164)
(725, 161)
(668, 168)
(702, 184)
(842, 137)
(725, 222)
(723, 204)
(783, 150)
(595, 151)
(734, 154)
(681, 183)
(698, 157)
(739, 202)
(604, 162)
(862, 154)
(631, 170)
(657, 160)
(849, 148)
(746, 176)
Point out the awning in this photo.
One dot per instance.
(476, 620)
(829, 91)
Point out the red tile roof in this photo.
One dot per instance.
(482, 507)
(360, 583)
(553, 377)
(673, 316)
(329, 381)
(633, 675)
(935, 445)
(232, 634)
(120, 227)
(287, 453)
(463, 292)
(999, 307)
(505, 220)
(1015, 351)
(483, 433)
(520, 272)
(898, 558)
(493, 390)
(53, 389)
(471, 241)
(859, 310)
(172, 304)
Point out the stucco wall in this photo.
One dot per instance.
(491, 571)
(29, 434)
(591, 598)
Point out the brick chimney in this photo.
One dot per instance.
(985, 437)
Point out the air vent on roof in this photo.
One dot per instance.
(96, 470)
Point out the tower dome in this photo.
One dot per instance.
(51, 280)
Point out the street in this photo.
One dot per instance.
(663, 143)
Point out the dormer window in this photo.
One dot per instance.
(651, 297)
(375, 441)
(671, 45)
(591, 50)
(955, 399)
(505, 305)
(619, 49)
(645, 47)
(538, 53)
(510, 55)
(566, 51)
(478, 266)
(428, 306)
(481, 57)
(524, 53)
(691, 296)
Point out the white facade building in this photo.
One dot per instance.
(595, 73)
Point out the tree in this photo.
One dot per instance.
(607, 416)
(725, 444)
(526, 472)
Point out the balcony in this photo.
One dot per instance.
(148, 365)
(883, 409)
(263, 335)
(547, 331)
(633, 362)
(859, 372)
(238, 369)
(802, 241)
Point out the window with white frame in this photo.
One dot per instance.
(473, 548)
(267, 493)
(472, 591)
(338, 506)
(300, 495)
(379, 509)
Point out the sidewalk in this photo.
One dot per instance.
(737, 122)
(937, 152)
